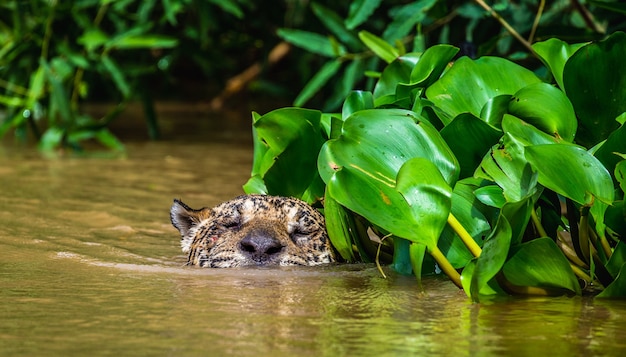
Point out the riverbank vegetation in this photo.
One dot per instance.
(507, 180)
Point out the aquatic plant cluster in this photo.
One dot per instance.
(476, 168)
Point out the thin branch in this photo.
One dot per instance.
(542, 5)
(587, 17)
(506, 25)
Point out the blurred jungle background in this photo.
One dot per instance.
(58, 56)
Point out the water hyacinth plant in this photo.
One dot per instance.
(476, 168)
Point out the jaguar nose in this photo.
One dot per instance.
(260, 247)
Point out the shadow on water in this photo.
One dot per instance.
(89, 264)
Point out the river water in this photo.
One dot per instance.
(90, 265)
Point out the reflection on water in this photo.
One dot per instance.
(89, 264)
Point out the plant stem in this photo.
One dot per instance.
(445, 265)
(506, 25)
(583, 233)
(46, 37)
(531, 37)
(537, 223)
(465, 237)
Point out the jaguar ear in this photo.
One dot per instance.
(184, 218)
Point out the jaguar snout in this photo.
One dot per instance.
(261, 247)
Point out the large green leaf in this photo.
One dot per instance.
(555, 53)
(291, 139)
(469, 138)
(428, 196)
(594, 79)
(360, 168)
(470, 84)
(571, 171)
(540, 263)
(547, 108)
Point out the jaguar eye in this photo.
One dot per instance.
(231, 222)
(300, 236)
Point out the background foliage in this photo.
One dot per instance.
(56, 55)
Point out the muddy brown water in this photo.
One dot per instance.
(90, 265)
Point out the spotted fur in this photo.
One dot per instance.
(252, 230)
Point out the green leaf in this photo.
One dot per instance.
(394, 75)
(117, 75)
(380, 47)
(526, 134)
(618, 258)
(360, 167)
(340, 227)
(428, 196)
(495, 109)
(360, 11)
(417, 252)
(547, 108)
(405, 17)
(37, 85)
(540, 263)
(470, 84)
(311, 42)
(571, 171)
(594, 79)
(617, 289)
(492, 258)
(620, 174)
(145, 41)
(431, 64)
(470, 212)
(318, 81)
(293, 137)
(229, 6)
(469, 138)
(554, 53)
(357, 100)
(106, 138)
(345, 84)
(506, 166)
(51, 139)
(59, 98)
(335, 24)
(12, 101)
(93, 38)
(616, 143)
